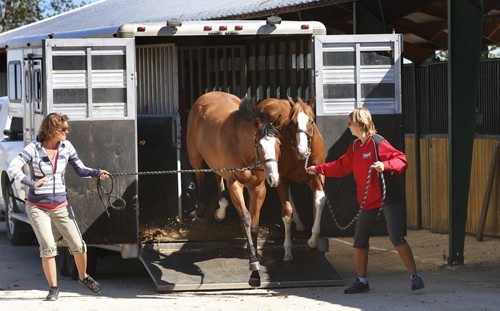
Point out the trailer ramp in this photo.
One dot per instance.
(192, 266)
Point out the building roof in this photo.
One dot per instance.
(114, 13)
(423, 23)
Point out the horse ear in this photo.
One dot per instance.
(291, 102)
(312, 102)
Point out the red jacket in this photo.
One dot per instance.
(357, 159)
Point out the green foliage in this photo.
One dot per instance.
(54, 7)
(16, 13)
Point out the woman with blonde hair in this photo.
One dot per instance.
(362, 155)
(47, 201)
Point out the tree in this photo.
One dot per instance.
(15, 13)
(54, 7)
(18, 13)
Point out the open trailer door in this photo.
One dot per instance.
(92, 81)
(354, 71)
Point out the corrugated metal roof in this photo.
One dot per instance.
(114, 13)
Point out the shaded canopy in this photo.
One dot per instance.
(423, 23)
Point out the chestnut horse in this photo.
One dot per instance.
(224, 132)
(300, 141)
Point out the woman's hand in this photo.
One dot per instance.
(379, 166)
(41, 182)
(311, 170)
(103, 174)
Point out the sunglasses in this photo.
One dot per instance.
(64, 129)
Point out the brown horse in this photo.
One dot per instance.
(301, 141)
(224, 132)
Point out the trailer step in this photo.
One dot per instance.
(195, 266)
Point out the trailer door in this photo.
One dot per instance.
(92, 81)
(354, 71)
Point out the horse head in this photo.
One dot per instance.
(302, 125)
(268, 142)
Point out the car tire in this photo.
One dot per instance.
(18, 232)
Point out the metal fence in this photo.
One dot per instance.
(425, 98)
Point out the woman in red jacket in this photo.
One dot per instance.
(360, 156)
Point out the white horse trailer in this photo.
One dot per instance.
(127, 94)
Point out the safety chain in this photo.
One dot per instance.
(365, 194)
(105, 195)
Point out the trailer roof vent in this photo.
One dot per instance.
(273, 20)
(174, 23)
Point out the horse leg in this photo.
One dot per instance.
(197, 162)
(236, 194)
(286, 215)
(257, 196)
(220, 213)
(319, 203)
(299, 225)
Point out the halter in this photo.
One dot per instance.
(257, 158)
(267, 129)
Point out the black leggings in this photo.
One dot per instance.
(393, 214)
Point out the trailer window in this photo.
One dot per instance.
(38, 85)
(15, 81)
(37, 89)
(70, 96)
(73, 62)
(371, 58)
(27, 86)
(108, 62)
(90, 82)
(358, 72)
(339, 59)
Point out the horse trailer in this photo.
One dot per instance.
(128, 91)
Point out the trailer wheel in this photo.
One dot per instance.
(18, 232)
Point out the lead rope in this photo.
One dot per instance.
(106, 195)
(365, 194)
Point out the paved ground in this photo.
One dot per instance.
(474, 286)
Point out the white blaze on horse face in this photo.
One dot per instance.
(268, 144)
(302, 143)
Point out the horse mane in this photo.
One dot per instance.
(249, 111)
(268, 129)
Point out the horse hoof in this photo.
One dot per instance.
(288, 258)
(219, 218)
(311, 245)
(254, 282)
(310, 248)
(287, 262)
